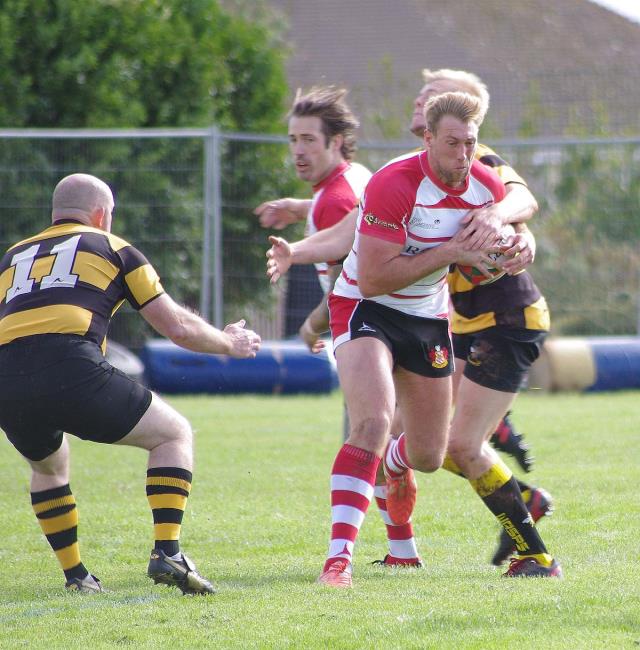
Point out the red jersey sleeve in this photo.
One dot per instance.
(333, 207)
(387, 204)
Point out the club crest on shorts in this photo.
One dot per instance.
(439, 356)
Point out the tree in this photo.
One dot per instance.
(146, 63)
(135, 63)
(589, 262)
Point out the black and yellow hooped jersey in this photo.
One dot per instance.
(71, 279)
(513, 301)
(489, 157)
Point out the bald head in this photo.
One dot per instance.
(84, 198)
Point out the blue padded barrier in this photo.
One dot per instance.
(279, 367)
(588, 364)
(617, 363)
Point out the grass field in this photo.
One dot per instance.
(258, 521)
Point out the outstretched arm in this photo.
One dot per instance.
(325, 245)
(280, 213)
(190, 331)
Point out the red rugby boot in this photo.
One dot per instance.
(402, 492)
(337, 574)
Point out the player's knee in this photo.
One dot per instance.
(370, 432)
(55, 464)
(425, 449)
(463, 451)
(48, 467)
(427, 460)
(181, 430)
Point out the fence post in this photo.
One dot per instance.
(211, 296)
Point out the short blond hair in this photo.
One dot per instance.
(463, 106)
(466, 82)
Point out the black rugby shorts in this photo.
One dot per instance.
(56, 382)
(499, 357)
(420, 345)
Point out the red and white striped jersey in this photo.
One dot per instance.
(333, 198)
(406, 203)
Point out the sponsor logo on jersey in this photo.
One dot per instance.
(372, 220)
(439, 356)
(418, 222)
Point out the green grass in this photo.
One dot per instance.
(258, 522)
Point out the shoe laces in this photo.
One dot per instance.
(339, 566)
(402, 481)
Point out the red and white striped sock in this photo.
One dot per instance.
(402, 543)
(396, 462)
(352, 482)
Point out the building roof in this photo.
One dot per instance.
(553, 68)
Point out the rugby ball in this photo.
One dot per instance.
(475, 275)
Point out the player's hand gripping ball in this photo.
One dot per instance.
(475, 276)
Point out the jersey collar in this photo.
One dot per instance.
(338, 171)
(452, 191)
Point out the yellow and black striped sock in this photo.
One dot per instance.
(450, 465)
(167, 492)
(500, 492)
(58, 517)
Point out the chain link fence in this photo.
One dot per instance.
(185, 197)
